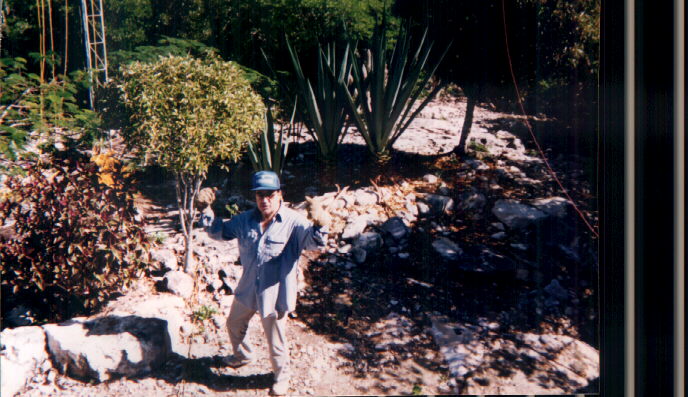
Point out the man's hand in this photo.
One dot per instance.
(205, 198)
(317, 213)
(207, 217)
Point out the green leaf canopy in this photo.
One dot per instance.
(187, 112)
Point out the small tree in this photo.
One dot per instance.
(187, 113)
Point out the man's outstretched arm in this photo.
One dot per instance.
(216, 228)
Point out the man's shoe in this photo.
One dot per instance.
(235, 361)
(280, 388)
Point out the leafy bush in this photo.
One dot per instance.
(75, 241)
(48, 111)
(187, 113)
(166, 46)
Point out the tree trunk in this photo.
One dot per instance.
(187, 189)
(189, 267)
(460, 149)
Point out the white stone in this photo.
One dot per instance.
(516, 215)
(478, 165)
(438, 204)
(355, 226)
(366, 197)
(423, 209)
(498, 225)
(396, 228)
(447, 248)
(166, 259)
(554, 206)
(168, 307)
(217, 284)
(498, 236)
(23, 353)
(108, 346)
(179, 283)
(359, 255)
(429, 178)
(369, 241)
(578, 360)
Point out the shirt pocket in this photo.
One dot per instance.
(274, 246)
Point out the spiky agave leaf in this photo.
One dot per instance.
(386, 88)
(324, 104)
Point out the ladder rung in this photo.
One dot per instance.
(95, 15)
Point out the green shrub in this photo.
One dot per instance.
(186, 114)
(203, 313)
(478, 147)
(75, 241)
(48, 111)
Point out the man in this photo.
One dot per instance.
(271, 238)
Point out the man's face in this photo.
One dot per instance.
(268, 201)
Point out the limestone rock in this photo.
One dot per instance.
(423, 209)
(23, 352)
(554, 206)
(396, 228)
(556, 290)
(430, 178)
(359, 255)
(108, 346)
(516, 215)
(473, 201)
(366, 197)
(179, 283)
(478, 165)
(355, 226)
(447, 249)
(499, 236)
(578, 361)
(369, 241)
(167, 307)
(438, 204)
(165, 258)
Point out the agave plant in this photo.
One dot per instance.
(325, 105)
(272, 152)
(387, 84)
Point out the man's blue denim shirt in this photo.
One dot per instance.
(270, 258)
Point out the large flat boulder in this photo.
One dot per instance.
(165, 306)
(107, 347)
(23, 352)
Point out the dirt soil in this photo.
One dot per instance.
(365, 331)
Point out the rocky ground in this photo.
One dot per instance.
(443, 275)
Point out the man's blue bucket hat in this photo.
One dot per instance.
(265, 180)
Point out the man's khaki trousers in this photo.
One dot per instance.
(274, 325)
